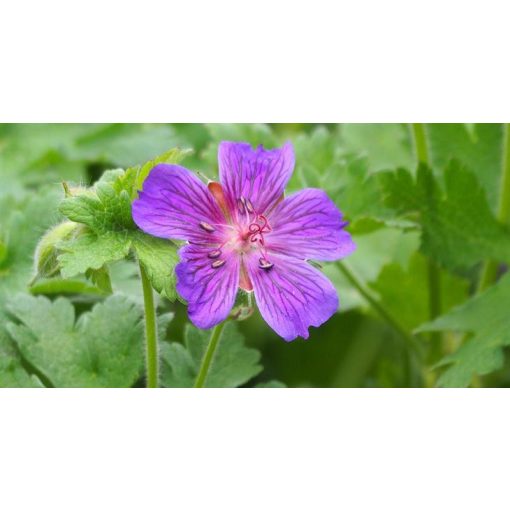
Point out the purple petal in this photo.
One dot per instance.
(291, 295)
(175, 204)
(210, 291)
(258, 175)
(308, 225)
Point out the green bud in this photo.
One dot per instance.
(243, 307)
(46, 263)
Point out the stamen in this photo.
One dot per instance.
(218, 263)
(205, 226)
(249, 205)
(265, 264)
(240, 205)
(214, 254)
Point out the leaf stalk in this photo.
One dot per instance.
(151, 333)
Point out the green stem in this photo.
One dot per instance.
(151, 334)
(420, 143)
(208, 356)
(489, 270)
(410, 340)
(434, 275)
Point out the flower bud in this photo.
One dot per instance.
(45, 258)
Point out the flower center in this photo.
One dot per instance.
(247, 230)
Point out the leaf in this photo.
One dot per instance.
(56, 286)
(478, 146)
(233, 363)
(12, 373)
(22, 222)
(159, 258)
(459, 229)
(408, 301)
(486, 317)
(271, 384)
(320, 161)
(385, 146)
(111, 234)
(125, 145)
(173, 156)
(103, 348)
(374, 251)
(105, 208)
(91, 251)
(33, 154)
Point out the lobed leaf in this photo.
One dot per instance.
(458, 227)
(103, 348)
(233, 363)
(486, 317)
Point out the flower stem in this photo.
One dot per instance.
(209, 353)
(434, 275)
(489, 270)
(409, 339)
(151, 334)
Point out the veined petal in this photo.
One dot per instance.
(308, 225)
(258, 175)
(209, 285)
(175, 204)
(291, 295)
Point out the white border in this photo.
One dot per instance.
(264, 61)
(252, 449)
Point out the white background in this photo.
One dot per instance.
(268, 61)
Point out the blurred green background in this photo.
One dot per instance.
(359, 346)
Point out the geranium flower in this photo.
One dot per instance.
(243, 233)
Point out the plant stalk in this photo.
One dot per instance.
(151, 333)
(434, 275)
(208, 356)
(489, 270)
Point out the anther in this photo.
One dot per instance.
(214, 254)
(205, 226)
(249, 205)
(265, 264)
(217, 263)
(240, 205)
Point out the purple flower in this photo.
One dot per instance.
(242, 232)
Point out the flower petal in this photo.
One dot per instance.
(308, 225)
(258, 175)
(210, 291)
(292, 295)
(174, 204)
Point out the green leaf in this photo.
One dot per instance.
(159, 258)
(103, 348)
(91, 251)
(12, 372)
(459, 229)
(271, 384)
(56, 286)
(173, 156)
(486, 317)
(22, 222)
(125, 145)
(233, 363)
(35, 154)
(374, 251)
(105, 208)
(385, 146)
(478, 146)
(408, 301)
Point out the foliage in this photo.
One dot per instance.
(233, 364)
(70, 296)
